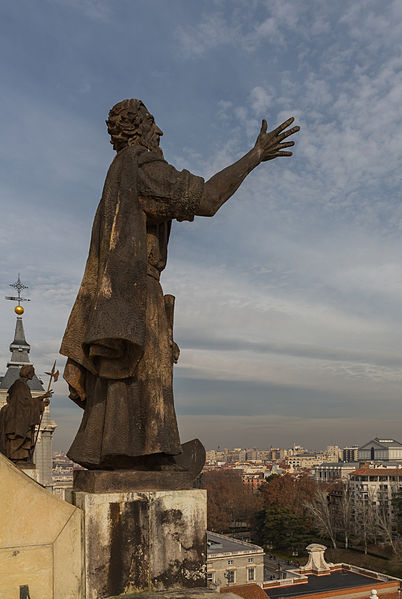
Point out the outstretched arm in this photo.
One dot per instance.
(44, 400)
(268, 146)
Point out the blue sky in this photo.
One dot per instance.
(288, 301)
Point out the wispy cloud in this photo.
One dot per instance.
(95, 9)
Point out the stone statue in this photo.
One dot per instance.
(119, 337)
(19, 418)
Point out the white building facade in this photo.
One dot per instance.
(381, 450)
(230, 561)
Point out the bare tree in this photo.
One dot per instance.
(386, 518)
(346, 520)
(322, 515)
(365, 518)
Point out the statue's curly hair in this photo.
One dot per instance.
(124, 123)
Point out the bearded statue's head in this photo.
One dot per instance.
(130, 123)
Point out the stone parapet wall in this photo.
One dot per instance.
(40, 539)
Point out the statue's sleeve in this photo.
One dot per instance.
(165, 193)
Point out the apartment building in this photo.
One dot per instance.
(376, 484)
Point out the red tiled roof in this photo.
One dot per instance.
(377, 471)
(247, 591)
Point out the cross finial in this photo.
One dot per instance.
(19, 287)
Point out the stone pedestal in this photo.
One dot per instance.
(143, 540)
(316, 561)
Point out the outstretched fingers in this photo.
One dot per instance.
(287, 133)
(284, 125)
(269, 144)
(286, 144)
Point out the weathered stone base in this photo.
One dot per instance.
(138, 541)
(111, 481)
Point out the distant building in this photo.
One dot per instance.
(210, 456)
(276, 453)
(62, 474)
(332, 453)
(251, 453)
(20, 349)
(376, 484)
(230, 561)
(253, 481)
(241, 455)
(350, 454)
(334, 471)
(275, 469)
(263, 454)
(304, 460)
(382, 450)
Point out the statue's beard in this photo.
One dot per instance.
(146, 139)
(156, 150)
(152, 143)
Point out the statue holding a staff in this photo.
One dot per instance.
(20, 417)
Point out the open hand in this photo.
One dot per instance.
(176, 352)
(270, 145)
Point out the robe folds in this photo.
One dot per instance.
(118, 339)
(18, 419)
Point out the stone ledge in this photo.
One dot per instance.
(111, 481)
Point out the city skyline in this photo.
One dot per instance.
(289, 301)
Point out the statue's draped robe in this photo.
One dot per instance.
(18, 420)
(118, 338)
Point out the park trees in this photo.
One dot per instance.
(280, 527)
(288, 490)
(291, 511)
(284, 521)
(229, 500)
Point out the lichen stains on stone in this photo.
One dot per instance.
(128, 569)
(188, 573)
(171, 516)
(148, 540)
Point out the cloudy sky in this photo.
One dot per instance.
(288, 301)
